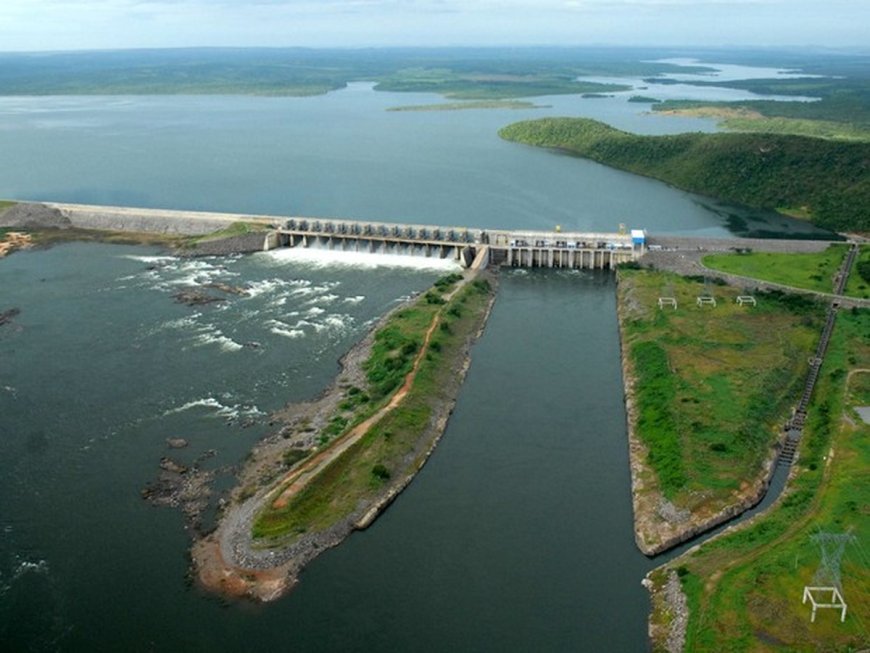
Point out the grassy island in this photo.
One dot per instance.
(470, 105)
(822, 179)
(744, 588)
(709, 389)
(415, 353)
(338, 461)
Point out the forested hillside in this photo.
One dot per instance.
(827, 181)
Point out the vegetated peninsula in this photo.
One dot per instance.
(708, 389)
(340, 460)
(827, 181)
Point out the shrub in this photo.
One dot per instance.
(656, 424)
(293, 456)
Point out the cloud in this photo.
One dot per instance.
(76, 24)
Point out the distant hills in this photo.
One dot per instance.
(825, 181)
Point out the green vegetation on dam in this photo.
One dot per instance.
(825, 180)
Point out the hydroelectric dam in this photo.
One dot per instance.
(470, 247)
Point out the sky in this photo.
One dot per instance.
(36, 25)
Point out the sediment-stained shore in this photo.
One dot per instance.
(229, 562)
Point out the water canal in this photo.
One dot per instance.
(516, 536)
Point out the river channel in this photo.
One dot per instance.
(517, 534)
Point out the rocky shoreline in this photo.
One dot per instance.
(227, 562)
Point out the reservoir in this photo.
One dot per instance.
(515, 536)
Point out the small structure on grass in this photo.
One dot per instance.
(668, 301)
(817, 594)
(746, 300)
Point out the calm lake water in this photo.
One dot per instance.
(516, 536)
(344, 155)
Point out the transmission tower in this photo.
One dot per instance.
(832, 546)
(668, 298)
(827, 590)
(706, 298)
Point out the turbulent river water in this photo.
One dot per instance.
(516, 536)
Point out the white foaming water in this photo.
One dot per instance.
(176, 273)
(356, 299)
(257, 288)
(39, 567)
(182, 322)
(150, 259)
(22, 567)
(218, 338)
(220, 410)
(318, 327)
(287, 333)
(320, 258)
(337, 322)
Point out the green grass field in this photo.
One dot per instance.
(392, 448)
(745, 588)
(714, 384)
(809, 271)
